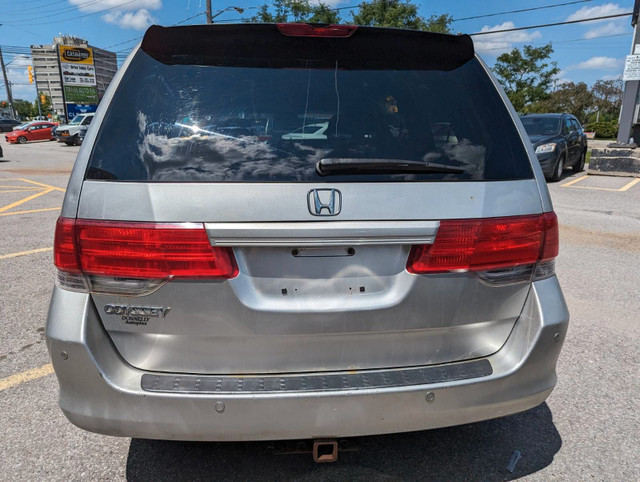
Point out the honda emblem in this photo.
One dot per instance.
(324, 202)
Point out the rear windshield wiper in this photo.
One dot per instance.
(341, 165)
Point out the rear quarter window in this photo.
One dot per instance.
(169, 123)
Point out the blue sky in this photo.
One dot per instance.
(585, 52)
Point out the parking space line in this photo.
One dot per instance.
(24, 253)
(43, 185)
(26, 189)
(626, 187)
(571, 183)
(13, 186)
(26, 376)
(30, 211)
(630, 185)
(22, 201)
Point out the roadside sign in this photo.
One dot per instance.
(631, 68)
(75, 109)
(78, 79)
(77, 66)
(80, 94)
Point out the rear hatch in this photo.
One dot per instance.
(318, 166)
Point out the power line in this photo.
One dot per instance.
(38, 7)
(573, 40)
(520, 11)
(567, 22)
(75, 17)
(138, 38)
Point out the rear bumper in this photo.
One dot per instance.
(102, 393)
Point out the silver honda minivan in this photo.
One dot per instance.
(288, 231)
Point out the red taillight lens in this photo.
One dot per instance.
(484, 244)
(307, 30)
(552, 237)
(64, 249)
(140, 250)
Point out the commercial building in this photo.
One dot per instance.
(72, 73)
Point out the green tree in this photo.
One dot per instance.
(574, 98)
(399, 14)
(526, 75)
(608, 98)
(24, 108)
(296, 11)
(377, 13)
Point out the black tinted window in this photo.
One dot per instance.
(575, 125)
(541, 126)
(229, 124)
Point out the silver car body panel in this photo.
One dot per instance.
(287, 202)
(297, 307)
(545, 196)
(102, 393)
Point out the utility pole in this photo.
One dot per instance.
(628, 113)
(7, 85)
(209, 19)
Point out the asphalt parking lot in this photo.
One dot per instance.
(589, 428)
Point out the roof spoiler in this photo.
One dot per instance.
(265, 46)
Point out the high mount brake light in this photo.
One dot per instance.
(309, 30)
(487, 244)
(139, 250)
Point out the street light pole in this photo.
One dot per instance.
(7, 85)
(211, 17)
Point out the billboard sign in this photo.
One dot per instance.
(76, 64)
(75, 109)
(77, 94)
(78, 79)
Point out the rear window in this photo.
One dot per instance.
(542, 126)
(246, 124)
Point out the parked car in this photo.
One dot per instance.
(559, 142)
(7, 125)
(71, 133)
(219, 287)
(310, 131)
(31, 131)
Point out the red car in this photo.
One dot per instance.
(32, 131)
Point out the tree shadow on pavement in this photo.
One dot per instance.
(479, 451)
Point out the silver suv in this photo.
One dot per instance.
(389, 269)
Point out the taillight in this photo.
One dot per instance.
(138, 251)
(494, 246)
(309, 30)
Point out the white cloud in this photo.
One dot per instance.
(597, 11)
(610, 28)
(612, 77)
(136, 20)
(598, 63)
(561, 78)
(17, 75)
(498, 43)
(132, 14)
(93, 6)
